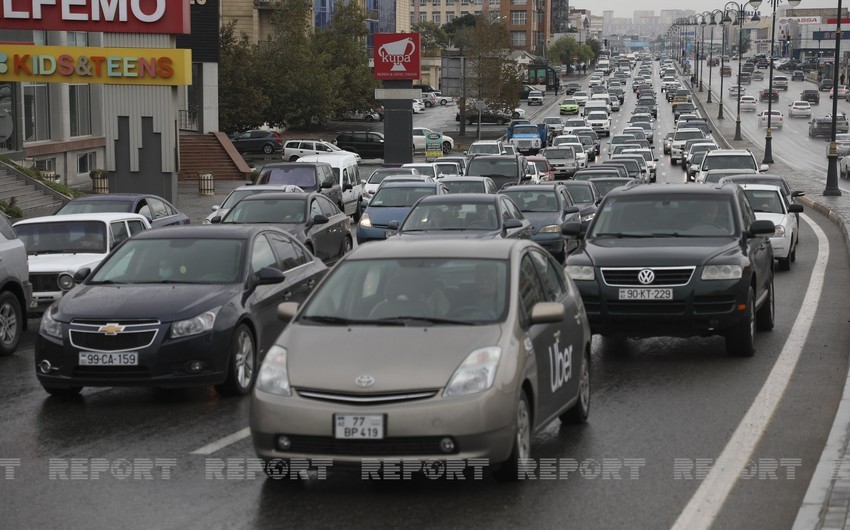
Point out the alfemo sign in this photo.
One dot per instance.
(111, 16)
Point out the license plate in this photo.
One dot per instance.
(646, 294)
(359, 426)
(109, 359)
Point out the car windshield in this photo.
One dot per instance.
(380, 174)
(581, 194)
(445, 168)
(302, 176)
(425, 170)
(180, 260)
(83, 206)
(399, 197)
(553, 121)
(452, 216)
(728, 162)
(687, 135)
(533, 200)
(484, 149)
(525, 129)
(559, 152)
(267, 211)
(72, 237)
(762, 180)
(505, 167)
(604, 186)
(689, 216)
(408, 291)
(765, 201)
(460, 186)
(597, 116)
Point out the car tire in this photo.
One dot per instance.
(65, 392)
(740, 338)
(357, 211)
(11, 323)
(347, 245)
(443, 102)
(766, 314)
(293, 158)
(501, 121)
(268, 149)
(580, 411)
(509, 470)
(241, 365)
(447, 147)
(369, 118)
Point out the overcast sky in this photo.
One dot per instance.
(626, 8)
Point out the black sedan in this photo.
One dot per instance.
(548, 207)
(311, 217)
(257, 141)
(176, 307)
(158, 211)
(464, 215)
(586, 197)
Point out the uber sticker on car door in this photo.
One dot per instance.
(560, 365)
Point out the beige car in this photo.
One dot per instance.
(426, 350)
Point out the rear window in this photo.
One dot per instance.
(302, 176)
(400, 197)
(729, 162)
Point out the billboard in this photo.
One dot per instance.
(397, 56)
(109, 16)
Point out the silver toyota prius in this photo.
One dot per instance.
(428, 350)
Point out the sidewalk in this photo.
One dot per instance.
(826, 505)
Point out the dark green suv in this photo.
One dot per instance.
(678, 260)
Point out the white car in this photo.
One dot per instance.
(369, 115)
(775, 119)
(444, 100)
(599, 122)
(649, 157)
(486, 147)
(60, 245)
(535, 97)
(749, 103)
(800, 108)
(574, 142)
(295, 149)
(555, 124)
(420, 135)
(371, 184)
(418, 106)
(595, 81)
(570, 124)
(424, 168)
(769, 203)
(581, 97)
(737, 90)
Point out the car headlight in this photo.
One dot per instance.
(550, 229)
(50, 327)
(274, 376)
(65, 281)
(587, 218)
(580, 272)
(722, 272)
(365, 221)
(195, 325)
(779, 231)
(475, 374)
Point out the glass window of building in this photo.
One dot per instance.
(519, 2)
(436, 2)
(86, 162)
(435, 18)
(78, 38)
(423, 17)
(518, 38)
(518, 18)
(36, 112)
(450, 3)
(80, 106)
(449, 17)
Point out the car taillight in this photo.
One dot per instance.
(279, 139)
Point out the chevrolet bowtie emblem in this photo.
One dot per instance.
(111, 329)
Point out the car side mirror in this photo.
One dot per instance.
(762, 227)
(795, 208)
(269, 276)
(547, 313)
(797, 193)
(215, 207)
(763, 168)
(510, 224)
(216, 219)
(287, 310)
(569, 210)
(81, 275)
(347, 186)
(393, 226)
(572, 229)
(362, 182)
(320, 219)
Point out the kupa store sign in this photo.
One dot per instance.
(110, 16)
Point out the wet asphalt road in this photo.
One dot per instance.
(653, 401)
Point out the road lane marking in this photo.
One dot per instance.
(703, 508)
(223, 442)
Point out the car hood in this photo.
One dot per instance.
(656, 251)
(450, 234)
(398, 358)
(63, 262)
(540, 219)
(381, 216)
(775, 218)
(169, 302)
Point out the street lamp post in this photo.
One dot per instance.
(768, 138)
(702, 24)
(723, 28)
(738, 9)
(831, 189)
(711, 50)
(693, 23)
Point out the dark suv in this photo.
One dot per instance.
(266, 142)
(367, 144)
(504, 170)
(811, 95)
(15, 288)
(682, 261)
(309, 176)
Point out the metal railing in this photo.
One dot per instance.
(187, 120)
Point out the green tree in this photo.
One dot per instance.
(563, 50)
(745, 45)
(342, 46)
(241, 101)
(466, 21)
(293, 78)
(595, 47)
(433, 36)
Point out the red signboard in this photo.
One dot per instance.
(110, 16)
(834, 20)
(397, 56)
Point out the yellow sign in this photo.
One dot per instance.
(81, 64)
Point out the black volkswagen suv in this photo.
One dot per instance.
(677, 261)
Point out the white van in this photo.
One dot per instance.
(597, 103)
(347, 171)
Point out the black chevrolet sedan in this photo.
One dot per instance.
(311, 217)
(548, 207)
(181, 306)
(158, 211)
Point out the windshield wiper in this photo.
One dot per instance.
(620, 235)
(340, 321)
(39, 252)
(430, 320)
(666, 234)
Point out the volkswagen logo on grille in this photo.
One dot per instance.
(365, 381)
(646, 276)
(111, 329)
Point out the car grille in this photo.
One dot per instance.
(387, 447)
(628, 276)
(44, 282)
(112, 372)
(136, 334)
(368, 399)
